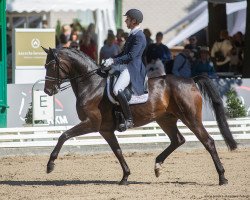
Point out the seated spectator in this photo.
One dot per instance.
(119, 39)
(110, 49)
(182, 63)
(193, 46)
(220, 52)
(64, 38)
(236, 62)
(88, 46)
(155, 69)
(66, 30)
(74, 45)
(64, 41)
(45, 24)
(158, 50)
(203, 65)
(74, 37)
(125, 36)
(149, 41)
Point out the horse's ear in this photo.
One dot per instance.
(46, 50)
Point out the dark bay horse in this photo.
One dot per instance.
(170, 98)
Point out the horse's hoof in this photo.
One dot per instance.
(123, 182)
(223, 181)
(157, 169)
(50, 167)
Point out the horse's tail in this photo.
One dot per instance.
(210, 92)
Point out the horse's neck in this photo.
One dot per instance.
(84, 80)
(88, 84)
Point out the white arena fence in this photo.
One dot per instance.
(150, 133)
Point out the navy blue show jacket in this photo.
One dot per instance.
(132, 56)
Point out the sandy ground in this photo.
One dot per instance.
(186, 174)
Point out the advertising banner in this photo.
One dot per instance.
(20, 101)
(27, 54)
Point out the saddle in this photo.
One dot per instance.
(130, 95)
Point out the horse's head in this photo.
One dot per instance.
(55, 73)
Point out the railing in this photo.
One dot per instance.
(150, 133)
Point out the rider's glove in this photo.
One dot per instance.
(108, 62)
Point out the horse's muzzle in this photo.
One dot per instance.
(49, 92)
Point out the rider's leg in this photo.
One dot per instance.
(122, 82)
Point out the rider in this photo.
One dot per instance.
(129, 63)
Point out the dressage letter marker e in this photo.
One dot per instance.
(43, 107)
(43, 101)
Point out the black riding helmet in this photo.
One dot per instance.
(135, 14)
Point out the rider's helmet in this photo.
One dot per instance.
(135, 14)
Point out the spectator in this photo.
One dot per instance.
(193, 46)
(91, 33)
(236, 55)
(74, 44)
(149, 41)
(148, 34)
(88, 46)
(45, 24)
(64, 41)
(203, 65)
(158, 50)
(220, 52)
(119, 39)
(74, 37)
(125, 36)
(64, 36)
(182, 63)
(155, 69)
(110, 49)
(66, 30)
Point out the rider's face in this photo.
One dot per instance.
(130, 23)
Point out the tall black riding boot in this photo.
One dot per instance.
(126, 111)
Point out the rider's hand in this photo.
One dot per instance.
(108, 62)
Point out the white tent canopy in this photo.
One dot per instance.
(58, 5)
(104, 11)
(201, 22)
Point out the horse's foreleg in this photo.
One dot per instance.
(176, 139)
(77, 130)
(113, 143)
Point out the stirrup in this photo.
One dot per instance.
(124, 126)
(129, 123)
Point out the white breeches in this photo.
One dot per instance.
(122, 81)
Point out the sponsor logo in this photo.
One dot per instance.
(35, 43)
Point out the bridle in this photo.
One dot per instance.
(59, 80)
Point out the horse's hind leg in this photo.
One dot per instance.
(113, 143)
(169, 126)
(208, 142)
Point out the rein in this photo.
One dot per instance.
(63, 80)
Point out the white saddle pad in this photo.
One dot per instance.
(134, 99)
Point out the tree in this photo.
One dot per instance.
(235, 107)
